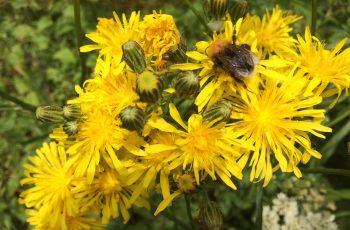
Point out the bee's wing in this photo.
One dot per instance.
(235, 65)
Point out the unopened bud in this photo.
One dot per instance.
(238, 9)
(50, 114)
(215, 9)
(134, 56)
(132, 118)
(221, 109)
(211, 215)
(71, 127)
(149, 87)
(187, 85)
(177, 54)
(72, 112)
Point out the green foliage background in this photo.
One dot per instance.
(39, 63)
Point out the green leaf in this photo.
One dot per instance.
(65, 56)
(341, 194)
(331, 145)
(21, 86)
(22, 31)
(44, 23)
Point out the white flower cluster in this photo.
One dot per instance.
(287, 213)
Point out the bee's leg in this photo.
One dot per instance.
(234, 37)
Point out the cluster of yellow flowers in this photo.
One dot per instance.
(153, 119)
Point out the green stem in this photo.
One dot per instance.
(17, 101)
(313, 17)
(199, 17)
(341, 117)
(259, 207)
(330, 171)
(342, 214)
(176, 220)
(78, 33)
(189, 213)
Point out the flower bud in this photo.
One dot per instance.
(132, 118)
(219, 109)
(50, 114)
(134, 56)
(211, 215)
(71, 127)
(187, 85)
(72, 112)
(186, 182)
(177, 54)
(238, 9)
(149, 87)
(215, 9)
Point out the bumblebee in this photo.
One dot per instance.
(237, 60)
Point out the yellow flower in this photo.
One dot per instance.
(272, 32)
(112, 93)
(158, 35)
(324, 67)
(161, 152)
(63, 222)
(109, 193)
(99, 136)
(51, 198)
(111, 35)
(207, 147)
(278, 120)
(215, 82)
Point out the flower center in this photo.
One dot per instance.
(202, 140)
(109, 183)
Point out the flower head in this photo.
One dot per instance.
(51, 175)
(278, 120)
(108, 193)
(272, 32)
(216, 83)
(323, 67)
(111, 35)
(158, 35)
(51, 202)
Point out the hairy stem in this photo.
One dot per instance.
(78, 33)
(199, 17)
(259, 207)
(189, 213)
(313, 17)
(17, 101)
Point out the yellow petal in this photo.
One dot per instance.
(165, 203)
(176, 115)
(187, 66)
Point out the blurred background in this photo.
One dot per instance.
(40, 65)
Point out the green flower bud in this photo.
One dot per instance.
(215, 9)
(132, 118)
(71, 127)
(134, 56)
(187, 85)
(72, 112)
(219, 109)
(211, 215)
(50, 114)
(149, 87)
(177, 54)
(238, 9)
